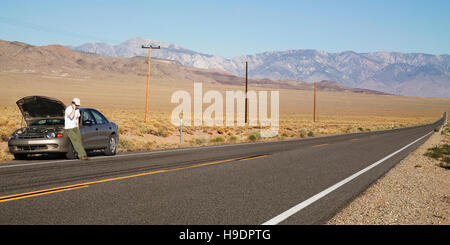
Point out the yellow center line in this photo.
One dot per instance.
(353, 139)
(86, 184)
(40, 193)
(319, 145)
(248, 158)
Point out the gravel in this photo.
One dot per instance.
(415, 192)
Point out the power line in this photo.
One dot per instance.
(52, 30)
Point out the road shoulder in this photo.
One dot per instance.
(415, 191)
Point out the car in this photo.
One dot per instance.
(44, 133)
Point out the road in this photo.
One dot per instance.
(300, 181)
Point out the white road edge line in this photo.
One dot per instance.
(36, 163)
(283, 216)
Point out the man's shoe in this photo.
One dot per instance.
(84, 158)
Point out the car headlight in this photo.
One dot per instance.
(51, 135)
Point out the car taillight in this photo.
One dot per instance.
(59, 135)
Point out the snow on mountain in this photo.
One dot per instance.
(413, 74)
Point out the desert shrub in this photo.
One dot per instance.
(5, 133)
(445, 129)
(148, 145)
(441, 153)
(199, 141)
(140, 145)
(217, 139)
(233, 138)
(187, 130)
(351, 129)
(121, 130)
(303, 132)
(163, 131)
(437, 152)
(160, 131)
(310, 133)
(445, 162)
(142, 129)
(5, 156)
(220, 130)
(124, 144)
(156, 124)
(254, 136)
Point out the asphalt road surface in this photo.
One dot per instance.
(300, 181)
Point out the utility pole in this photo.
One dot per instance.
(246, 87)
(148, 76)
(314, 119)
(181, 130)
(317, 107)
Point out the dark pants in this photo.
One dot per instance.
(75, 137)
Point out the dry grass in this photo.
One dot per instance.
(159, 133)
(121, 98)
(10, 120)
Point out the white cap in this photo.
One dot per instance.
(76, 101)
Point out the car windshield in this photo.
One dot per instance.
(48, 122)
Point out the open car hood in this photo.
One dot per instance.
(39, 107)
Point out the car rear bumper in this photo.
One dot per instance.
(35, 146)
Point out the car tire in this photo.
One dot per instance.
(21, 156)
(71, 154)
(110, 150)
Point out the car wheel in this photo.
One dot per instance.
(71, 154)
(112, 146)
(21, 156)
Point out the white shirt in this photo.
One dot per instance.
(71, 123)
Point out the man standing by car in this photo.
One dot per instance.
(71, 128)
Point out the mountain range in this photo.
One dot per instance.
(411, 74)
(56, 61)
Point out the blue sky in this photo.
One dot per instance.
(232, 28)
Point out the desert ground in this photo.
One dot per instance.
(122, 99)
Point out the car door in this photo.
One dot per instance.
(88, 129)
(104, 129)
